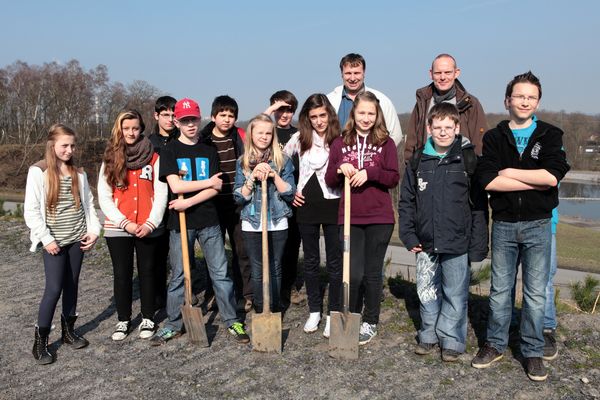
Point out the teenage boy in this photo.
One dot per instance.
(200, 184)
(521, 166)
(222, 134)
(442, 219)
(164, 132)
(283, 105)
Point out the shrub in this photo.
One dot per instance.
(585, 293)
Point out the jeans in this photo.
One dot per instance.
(121, 249)
(443, 289)
(368, 244)
(531, 241)
(253, 242)
(211, 242)
(311, 234)
(62, 276)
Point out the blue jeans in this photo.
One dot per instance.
(253, 243)
(529, 240)
(443, 289)
(211, 242)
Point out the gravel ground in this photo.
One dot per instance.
(386, 368)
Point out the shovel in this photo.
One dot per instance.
(266, 327)
(345, 326)
(192, 316)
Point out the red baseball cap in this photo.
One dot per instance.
(187, 108)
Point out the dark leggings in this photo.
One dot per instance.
(62, 276)
(311, 234)
(368, 244)
(121, 252)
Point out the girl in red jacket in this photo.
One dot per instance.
(133, 200)
(365, 154)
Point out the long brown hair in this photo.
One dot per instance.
(379, 133)
(53, 169)
(251, 152)
(317, 100)
(115, 154)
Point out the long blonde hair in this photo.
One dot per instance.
(115, 153)
(53, 169)
(251, 152)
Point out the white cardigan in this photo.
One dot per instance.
(34, 209)
(389, 112)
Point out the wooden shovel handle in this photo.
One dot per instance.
(185, 255)
(265, 248)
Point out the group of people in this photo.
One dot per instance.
(214, 176)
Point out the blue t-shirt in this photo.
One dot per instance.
(522, 135)
(345, 107)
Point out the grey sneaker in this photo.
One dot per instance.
(550, 349)
(425, 348)
(486, 356)
(367, 332)
(450, 355)
(163, 336)
(536, 371)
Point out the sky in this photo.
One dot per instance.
(250, 49)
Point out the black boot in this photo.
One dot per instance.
(40, 346)
(68, 333)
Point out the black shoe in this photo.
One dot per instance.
(425, 348)
(68, 332)
(450, 355)
(536, 371)
(486, 356)
(550, 349)
(40, 346)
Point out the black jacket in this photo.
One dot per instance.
(544, 151)
(442, 208)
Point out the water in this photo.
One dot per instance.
(579, 200)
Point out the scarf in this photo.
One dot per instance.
(255, 159)
(440, 98)
(139, 154)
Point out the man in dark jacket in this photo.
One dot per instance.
(445, 88)
(522, 162)
(442, 218)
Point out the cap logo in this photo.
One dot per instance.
(186, 104)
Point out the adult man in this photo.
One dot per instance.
(521, 165)
(353, 68)
(445, 88)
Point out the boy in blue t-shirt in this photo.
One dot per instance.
(200, 184)
(523, 188)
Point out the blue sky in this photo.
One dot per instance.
(251, 49)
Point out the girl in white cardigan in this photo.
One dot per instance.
(59, 210)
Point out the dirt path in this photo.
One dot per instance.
(387, 367)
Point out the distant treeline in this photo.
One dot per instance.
(33, 97)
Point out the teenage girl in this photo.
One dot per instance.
(133, 200)
(365, 154)
(264, 160)
(317, 204)
(59, 210)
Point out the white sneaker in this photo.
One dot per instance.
(326, 330)
(312, 323)
(146, 328)
(367, 332)
(121, 331)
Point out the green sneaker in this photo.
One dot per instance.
(163, 336)
(238, 331)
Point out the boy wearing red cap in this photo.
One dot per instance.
(200, 184)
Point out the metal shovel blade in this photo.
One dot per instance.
(343, 335)
(194, 324)
(266, 332)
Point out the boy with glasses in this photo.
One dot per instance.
(200, 184)
(522, 163)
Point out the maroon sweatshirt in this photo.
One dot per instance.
(371, 203)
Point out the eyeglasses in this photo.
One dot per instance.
(522, 98)
(439, 129)
(167, 115)
(188, 120)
